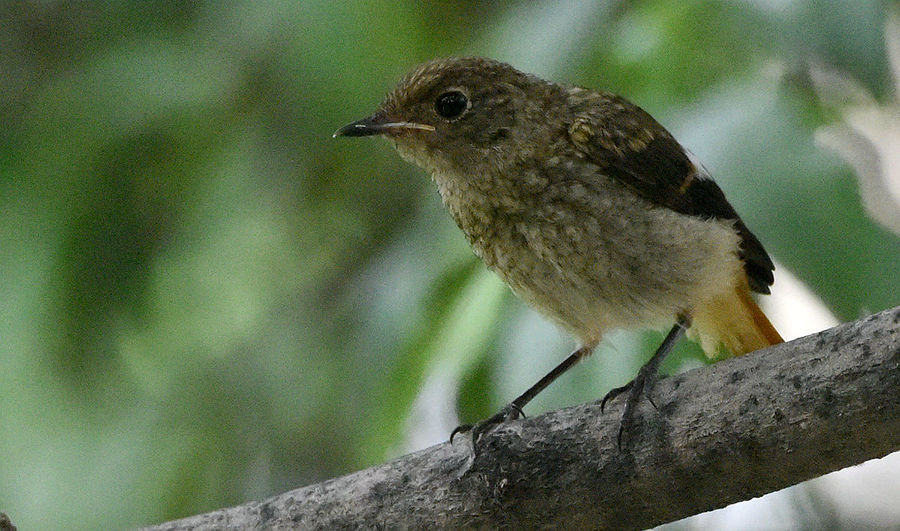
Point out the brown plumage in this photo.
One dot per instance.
(586, 206)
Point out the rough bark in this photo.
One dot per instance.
(728, 432)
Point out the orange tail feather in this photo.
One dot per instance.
(735, 321)
(763, 325)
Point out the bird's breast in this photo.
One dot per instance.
(586, 251)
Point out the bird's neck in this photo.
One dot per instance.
(485, 206)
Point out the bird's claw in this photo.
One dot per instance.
(613, 393)
(509, 412)
(642, 384)
(462, 428)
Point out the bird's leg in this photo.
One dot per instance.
(513, 410)
(646, 377)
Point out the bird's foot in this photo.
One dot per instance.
(642, 384)
(510, 412)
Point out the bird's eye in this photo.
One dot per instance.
(451, 104)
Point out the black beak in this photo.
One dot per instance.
(375, 125)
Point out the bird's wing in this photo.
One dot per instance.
(633, 148)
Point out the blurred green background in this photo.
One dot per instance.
(206, 300)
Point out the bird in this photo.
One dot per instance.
(588, 208)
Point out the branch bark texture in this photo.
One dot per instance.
(732, 431)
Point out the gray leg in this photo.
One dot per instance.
(646, 377)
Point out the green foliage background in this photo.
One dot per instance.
(205, 299)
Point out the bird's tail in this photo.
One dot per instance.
(735, 321)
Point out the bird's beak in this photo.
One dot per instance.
(376, 125)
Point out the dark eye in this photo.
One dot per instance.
(451, 104)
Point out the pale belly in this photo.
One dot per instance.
(596, 262)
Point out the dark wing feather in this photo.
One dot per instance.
(633, 148)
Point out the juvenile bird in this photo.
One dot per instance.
(585, 206)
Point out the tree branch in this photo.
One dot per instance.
(728, 432)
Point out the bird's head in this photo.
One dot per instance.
(462, 115)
